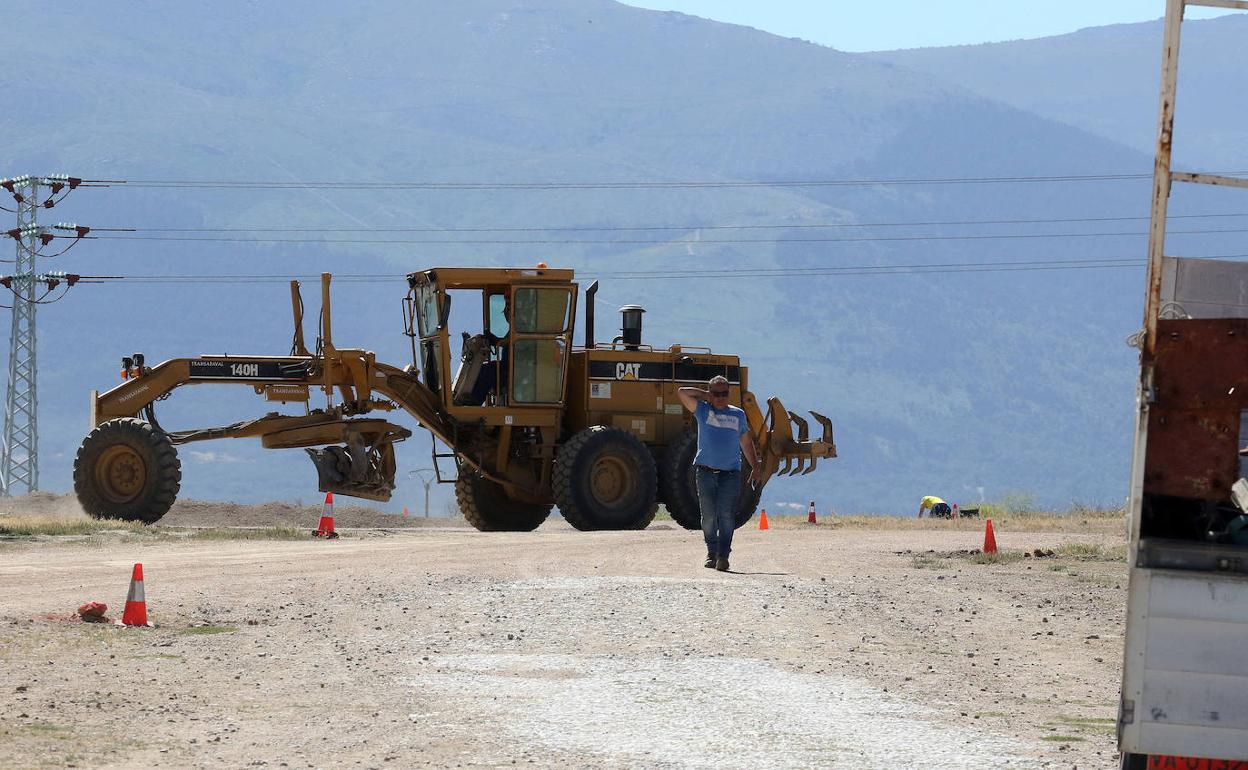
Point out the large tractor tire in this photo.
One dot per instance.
(488, 508)
(680, 491)
(604, 478)
(126, 469)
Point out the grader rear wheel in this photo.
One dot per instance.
(605, 478)
(126, 469)
(486, 506)
(680, 493)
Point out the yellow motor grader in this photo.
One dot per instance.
(529, 420)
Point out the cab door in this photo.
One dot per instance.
(541, 339)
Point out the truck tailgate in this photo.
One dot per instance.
(1185, 675)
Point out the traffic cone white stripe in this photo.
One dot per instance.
(136, 592)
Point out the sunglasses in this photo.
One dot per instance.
(719, 393)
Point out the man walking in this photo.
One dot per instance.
(723, 434)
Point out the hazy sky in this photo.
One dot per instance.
(853, 25)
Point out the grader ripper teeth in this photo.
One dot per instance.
(776, 443)
(530, 421)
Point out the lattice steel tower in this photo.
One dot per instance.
(19, 455)
(20, 458)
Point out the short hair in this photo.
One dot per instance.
(717, 379)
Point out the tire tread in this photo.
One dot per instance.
(161, 458)
(567, 491)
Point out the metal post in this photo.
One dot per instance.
(427, 480)
(1161, 173)
(20, 460)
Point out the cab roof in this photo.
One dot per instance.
(472, 277)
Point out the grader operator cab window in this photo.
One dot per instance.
(541, 311)
(539, 351)
(427, 309)
(499, 326)
(429, 318)
(538, 366)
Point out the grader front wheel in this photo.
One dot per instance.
(126, 469)
(605, 478)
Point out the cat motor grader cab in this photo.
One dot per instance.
(530, 422)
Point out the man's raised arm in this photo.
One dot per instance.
(690, 397)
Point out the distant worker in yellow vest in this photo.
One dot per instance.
(939, 508)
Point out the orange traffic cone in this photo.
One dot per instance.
(990, 539)
(762, 520)
(810, 514)
(136, 604)
(326, 527)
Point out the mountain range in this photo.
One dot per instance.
(869, 232)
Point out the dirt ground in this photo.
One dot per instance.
(441, 646)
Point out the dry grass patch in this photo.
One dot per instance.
(1094, 724)
(283, 532)
(1091, 552)
(930, 561)
(1062, 738)
(28, 528)
(59, 526)
(1000, 557)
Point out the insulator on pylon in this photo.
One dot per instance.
(78, 230)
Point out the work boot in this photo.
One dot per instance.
(710, 561)
(721, 564)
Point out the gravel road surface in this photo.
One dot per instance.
(447, 647)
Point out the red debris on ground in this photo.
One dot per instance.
(93, 612)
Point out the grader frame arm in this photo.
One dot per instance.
(358, 454)
(365, 467)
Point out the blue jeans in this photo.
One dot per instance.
(717, 499)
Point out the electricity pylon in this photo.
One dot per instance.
(19, 456)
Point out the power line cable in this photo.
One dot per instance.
(616, 185)
(588, 274)
(736, 272)
(647, 241)
(642, 228)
